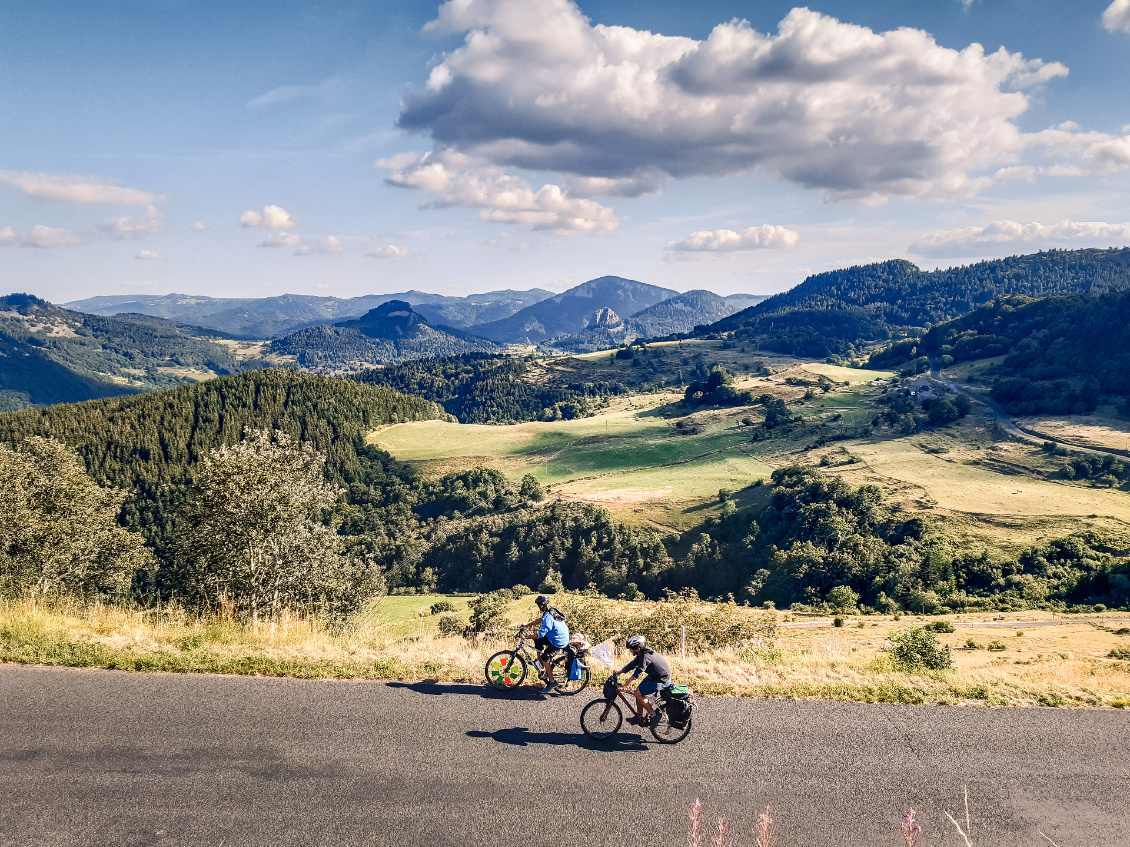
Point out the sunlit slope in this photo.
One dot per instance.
(968, 488)
(627, 456)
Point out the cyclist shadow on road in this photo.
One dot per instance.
(521, 736)
(436, 688)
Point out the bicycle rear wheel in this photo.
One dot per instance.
(664, 732)
(601, 719)
(565, 685)
(506, 669)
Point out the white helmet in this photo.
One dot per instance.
(636, 642)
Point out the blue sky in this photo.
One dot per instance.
(253, 149)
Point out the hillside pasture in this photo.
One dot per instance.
(626, 459)
(959, 486)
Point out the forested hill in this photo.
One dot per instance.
(1062, 353)
(478, 388)
(393, 332)
(148, 443)
(49, 354)
(831, 312)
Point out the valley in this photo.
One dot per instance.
(710, 464)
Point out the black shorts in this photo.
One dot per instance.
(547, 650)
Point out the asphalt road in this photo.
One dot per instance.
(108, 758)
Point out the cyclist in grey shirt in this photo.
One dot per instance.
(656, 672)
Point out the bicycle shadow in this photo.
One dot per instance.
(435, 688)
(520, 736)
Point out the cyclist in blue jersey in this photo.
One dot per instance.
(553, 635)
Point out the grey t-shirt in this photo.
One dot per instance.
(651, 664)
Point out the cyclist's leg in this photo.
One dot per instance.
(647, 687)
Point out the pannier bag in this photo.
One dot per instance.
(575, 670)
(680, 702)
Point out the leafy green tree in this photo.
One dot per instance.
(250, 535)
(58, 533)
(842, 597)
(531, 489)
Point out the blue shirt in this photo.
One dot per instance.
(554, 630)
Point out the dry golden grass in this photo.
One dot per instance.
(1065, 665)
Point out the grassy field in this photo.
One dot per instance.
(1021, 664)
(954, 484)
(632, 458)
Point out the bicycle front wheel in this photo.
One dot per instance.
(567, 686)
(506, 669)
(601, 719)
(664, 732)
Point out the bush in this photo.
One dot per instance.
(488, 611)
(450, 625)
(941, 626)
(709, 625)
(837, 621)
(916, 648)
(442, 606)
(997, 646)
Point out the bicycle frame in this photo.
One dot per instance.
(630, 702)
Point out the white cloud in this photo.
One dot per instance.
(128, 228)
(42, 237)
(272, 217)
(828, 105)
(328, 246)
(75, 189)
(389, 251)
(725, 240)
(147, 254)
(282, 239)
(965, 241)
(458, 180)
(1117, 16)
(198, 226)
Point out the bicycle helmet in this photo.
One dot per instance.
(636, 642)
(542, 600)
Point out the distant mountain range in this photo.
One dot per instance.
(391, 333)
(567, 313)
(838, 311)
(506, 317)
(268, 317)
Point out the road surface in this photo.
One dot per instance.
(108, 758)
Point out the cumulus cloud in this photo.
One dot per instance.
(75, 189)
(147, 254)
(198, 226)
(389, 251)
(965, 241)
(725, 240)
(856, 114)
(272, 217)
(459, 180)
(128, 228)
(328, 246)
(42, 237)
(1117, 16)
(282, 239)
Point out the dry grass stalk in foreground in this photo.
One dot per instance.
(803, 664)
